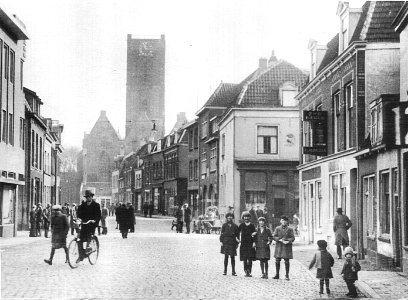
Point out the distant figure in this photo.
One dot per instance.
(254, 217)
(179, 217)
(145, 209)
(341, 224)
(296, 222)
(73, 219)
(187, 218)
(118, 211)
(259, 212)
(38, 219)
(151, 209)
(33, 230)
(131, 217)
(324, 262)
(104, 215)
(60, 228)
(65, 209)
(47, 219)
(349, 272)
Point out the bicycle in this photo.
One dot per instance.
(91, 251)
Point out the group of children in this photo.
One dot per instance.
(323, 261)
(255, 244)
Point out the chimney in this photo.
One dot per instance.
(103, 113)
(317, 52)
(263, 63)
(273, 58)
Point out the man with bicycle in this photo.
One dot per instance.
(89, 210)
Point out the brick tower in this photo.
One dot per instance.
(145, 86)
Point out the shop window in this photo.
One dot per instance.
(255, 189)
(369, 204)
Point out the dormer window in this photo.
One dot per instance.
(287, 93)
(344, 31)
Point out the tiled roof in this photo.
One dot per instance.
(374, 25)
(224, 95)
(263, 89)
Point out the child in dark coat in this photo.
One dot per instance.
(323, 261)
(349, 272)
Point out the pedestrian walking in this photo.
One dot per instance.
(33, 229)
(341, 224)
(151, 209)
(229, 240)
(73, 218)
(179, 217)
(350, 271)
(118, 211)
(262, 241)
(296, 222)
(130, 217)
(104, 215)
(284, 237)
(247, 250)
(38, 219)
(59, 229)
(145, 208)
(187, 217)
(123, 220)
(65, 209)
(47, 219)
(323, 261)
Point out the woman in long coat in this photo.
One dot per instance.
(246, 250)
(229, 239)
(284, 237)
(123, 220)
(262, 241)
(59, 229)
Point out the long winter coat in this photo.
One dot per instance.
(283, 250)
(263, 240)
(229, 236)
(246, 251)
(89, 212)
(341, 224)
(59, 229)
(323, 261)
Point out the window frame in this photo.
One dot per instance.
(258, 135)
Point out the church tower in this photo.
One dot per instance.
(145, 87)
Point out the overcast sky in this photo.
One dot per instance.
(76, 55)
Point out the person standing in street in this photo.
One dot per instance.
(341, 224)
(38, 219)
(104, 215)
(262, 241)
(350, 271)
(89, 210)
(47, 219)
(131, 217)
(229, 240)
(284, 237)
(187, 217)
(123, 220)
(145, 208)
(151, 209)
(73, 218)
(246, 250)
(296, 222)
(59, 229)
(254, 217)
(179, 217)
(324, 262)
(33, 229)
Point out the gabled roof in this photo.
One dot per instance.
(374, 25)
(223, 95)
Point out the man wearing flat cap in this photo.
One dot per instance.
(88, 210)
(341, 224)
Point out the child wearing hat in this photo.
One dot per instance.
(229, 240)
(323, 261)
(246, 250)
(350, 270)
(263, 238)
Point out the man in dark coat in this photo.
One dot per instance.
(33, 230)
(60, 228)
(123, 220)
(90, 210)
(104, 215)
(187, 217)
(284, 237)
(47, 219)
(179, 217)
(229, 240)
(254, 217)
(130, 217)
(38, 219)
(151, 209)
(341, 224)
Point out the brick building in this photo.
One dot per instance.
(346, 162)
(145, 90)
(12, 114)
(193, 159)
(99, 148)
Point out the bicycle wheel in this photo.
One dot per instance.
(94, 250)
(73, 254)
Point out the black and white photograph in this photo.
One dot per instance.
(203, 150)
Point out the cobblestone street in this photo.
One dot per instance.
(153, 263)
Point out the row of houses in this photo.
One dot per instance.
(30, 145)
(290, 142)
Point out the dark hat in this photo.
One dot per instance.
(88, 193)
(229, 215)
(261, 219)
(284, 217)
(322, 244)
(246, 214)
(339, 210)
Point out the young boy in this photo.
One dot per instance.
(323, 261)
(349, 272)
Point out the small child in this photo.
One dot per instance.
(349, 272)
(323, 261)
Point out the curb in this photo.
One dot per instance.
(367, 290)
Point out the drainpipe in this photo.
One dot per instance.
(360, 214)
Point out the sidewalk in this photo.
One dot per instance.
(371, 284)
(22, 238)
